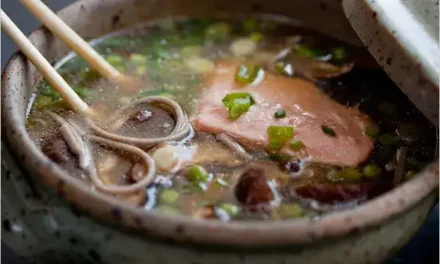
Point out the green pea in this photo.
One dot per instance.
(339, 54)
(350, 174)
(372, 170)
(372, 131)
(256, 36)
(219, 31)
(114, 60)
(138, 59)
(168, 196)
(250, 24)
(197, 174)
(292, 210)
(388, 139)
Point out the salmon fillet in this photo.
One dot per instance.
(307, 110)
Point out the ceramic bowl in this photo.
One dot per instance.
(50, 217)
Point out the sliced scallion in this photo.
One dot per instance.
(247, 73)
(168, 196)
(280, 114)
(372, 170)
(238, 103)
(328, 131)
(296, 145)
(221, 182)
(278, 136)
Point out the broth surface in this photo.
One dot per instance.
(271, 178)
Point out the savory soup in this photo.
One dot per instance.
(278, 121)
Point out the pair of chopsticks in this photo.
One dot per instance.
(75, 42)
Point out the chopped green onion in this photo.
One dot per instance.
(238, 103)
(292, 210)
(221, 183)
(256, 36)
(328, 131)
(229, 208)
(349, 174)
(138, 59)
(197, 174)
(388, 139)
(279, 157)
(247, 73)
(219, 31)
(372, 131)
(114, 60)
(339, 54)
(278, 135)
(168, 196)
(296, 145)
(250, 24)
(372, 170)
(167, 210)
(280, 114)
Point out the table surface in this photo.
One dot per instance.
(423, 248)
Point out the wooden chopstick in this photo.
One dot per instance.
(54, 78)
(75, 42)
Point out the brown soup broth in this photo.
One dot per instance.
(174, 57)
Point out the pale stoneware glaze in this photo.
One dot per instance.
(403, 38)
(49, 217)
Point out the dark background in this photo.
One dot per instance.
(422, 249)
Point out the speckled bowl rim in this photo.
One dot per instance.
(180, 228)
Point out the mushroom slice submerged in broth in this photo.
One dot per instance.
(307, 67)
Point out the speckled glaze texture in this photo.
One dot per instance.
(403, 37)
(50, 217)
